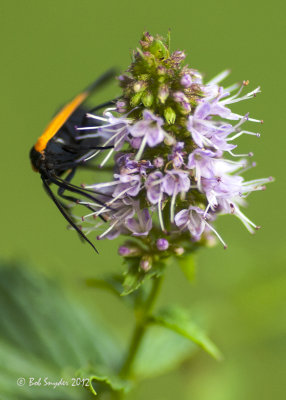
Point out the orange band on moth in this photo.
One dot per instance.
(59, 120)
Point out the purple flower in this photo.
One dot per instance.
(202, 162)
(149, 128)
(158, 162)
(178, 155)
(186, 136)
(153, 186)
(218, 106)
(193, 220)
(186, 80)
(176, 181)
(129, 166)
(142, 225)
(207, 133)
(128, 184)
(180, 97)
(136, 142)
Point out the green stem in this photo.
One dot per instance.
(140, 328)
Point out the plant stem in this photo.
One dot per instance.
(140, 327)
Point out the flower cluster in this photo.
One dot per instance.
(171, 133)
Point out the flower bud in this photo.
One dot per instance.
(163, 93)
(161, 70)
(147, 99)
(170, 115)
(169, 140)
(162, 244)
(139, 86)
(178, 56)
(179, 251)
(124, 251)
(158, 162)
(135, 100)
(186, 80)
(158, 49)
(145, 263)
(180, 97)
(121, 106)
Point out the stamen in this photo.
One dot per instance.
(89, 128)
(240, 155)
(246, 97)
(106, 158)
(258, 181)
(246, 168)
(106, 143)
(250, 119)
(246, 221)
(232, 87)
(160, 213)
(141, 149)
(101, 185)
(173, 203)
(218, 78)
(217, 234)
(206, 210)
(86, 203)
(97, 117)
(107, 230)
(243, 132)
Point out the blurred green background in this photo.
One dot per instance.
(50, 51)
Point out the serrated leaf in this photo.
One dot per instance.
(187, 264)
(161, 351)
(178, 320)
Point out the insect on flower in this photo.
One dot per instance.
(60, 150)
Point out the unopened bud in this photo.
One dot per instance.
(158, 49)
(124, 251)
(162, 244)
(147, 99)
(121, 106)
(135, 100)
(145, 264)
(158, 162)
(163, 93)
(170, 115)
(186, 80)
(179, 251)
(139, 86)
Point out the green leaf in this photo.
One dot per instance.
(187, 264)
(161, 351)
(111, 283)
(102, 379)
(43, 333)
(17, 363)
(178, 320)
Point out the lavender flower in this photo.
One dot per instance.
(175, 166)
(142, 226)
